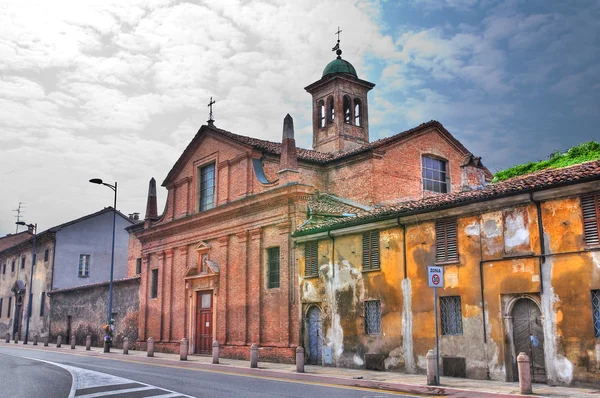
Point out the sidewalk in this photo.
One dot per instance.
(388, 381)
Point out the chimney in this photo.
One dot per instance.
(151, 207)
(288, 166)
(473, 173)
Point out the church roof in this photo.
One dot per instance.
(339, 65)
(309, 155)
(544, 179)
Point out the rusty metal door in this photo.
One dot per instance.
(315, 336)
(528, 336)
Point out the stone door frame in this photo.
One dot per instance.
(510, 356)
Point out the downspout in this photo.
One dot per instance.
(403, 247)
(540, 223)
(51, 286)
(481, 285)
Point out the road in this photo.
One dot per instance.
(103, 377)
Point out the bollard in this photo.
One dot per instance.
(431, 360)
(7, 338)
(35, 339)
(183, 349)
(45, 341)
(88, 342)
(126, 346)
(150, 347)
(524, 373)
(16, 338)
(254, 356)
(300, 359)
(215, 352)
(58, 341)
(73, 341)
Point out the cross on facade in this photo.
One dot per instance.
(210, 113)
(338, 33)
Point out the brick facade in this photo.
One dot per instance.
(261, 191)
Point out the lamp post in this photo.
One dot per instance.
(107, 343)
(33, 258)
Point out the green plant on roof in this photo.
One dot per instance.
(578, 154)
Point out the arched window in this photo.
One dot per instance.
(357, 112)
(321, 107)
(347, 110)
(330, 110)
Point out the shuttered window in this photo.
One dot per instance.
(446, 250)
(590, 206)
(311, 266)
(370, 250)
(273, 264)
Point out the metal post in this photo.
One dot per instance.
(30, 284)
(112, 262)
(437, 340)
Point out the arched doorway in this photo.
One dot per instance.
(315, 336)
(528, 336)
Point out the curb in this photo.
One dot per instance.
(275, 374)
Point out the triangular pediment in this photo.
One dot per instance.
(202, 246)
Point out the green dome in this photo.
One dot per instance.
(339, 66)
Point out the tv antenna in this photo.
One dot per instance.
(19, 210)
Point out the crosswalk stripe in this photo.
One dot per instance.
(116, 390)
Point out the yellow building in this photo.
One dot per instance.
(364, 288)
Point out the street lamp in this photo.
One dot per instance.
(33, 227)
(112, 257)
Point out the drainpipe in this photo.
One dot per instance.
(404, 247)
(332, 253)
(51, 286)
(485, 348)
(540, 223)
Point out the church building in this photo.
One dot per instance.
(220, 263)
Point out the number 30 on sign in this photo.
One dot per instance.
(435, 276)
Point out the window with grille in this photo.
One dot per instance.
(207, 187)
(446, 250)
(370, 251)
(138, 266)
(154, 285)
(373, 317)
(311, 265)
(434, 175)
(590, 206)
(84, 265)
(451, 314)
(273, 267)
(596, 311)
(42, 303)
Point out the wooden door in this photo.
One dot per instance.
(529, 336)
(204, 323)
(315, 336)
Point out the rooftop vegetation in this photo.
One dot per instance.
(578, 154)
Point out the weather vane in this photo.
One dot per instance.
(337, 46)
(210, 113)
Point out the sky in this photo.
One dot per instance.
(117, 89)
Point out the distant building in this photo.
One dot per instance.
(219, 262)
(67, 256)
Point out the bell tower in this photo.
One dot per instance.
(340, 107)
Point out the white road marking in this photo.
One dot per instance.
(83, 378)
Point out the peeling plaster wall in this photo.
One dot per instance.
(341, 289)
(502, 248)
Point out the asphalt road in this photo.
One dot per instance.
(20, 377)
(195, 383)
